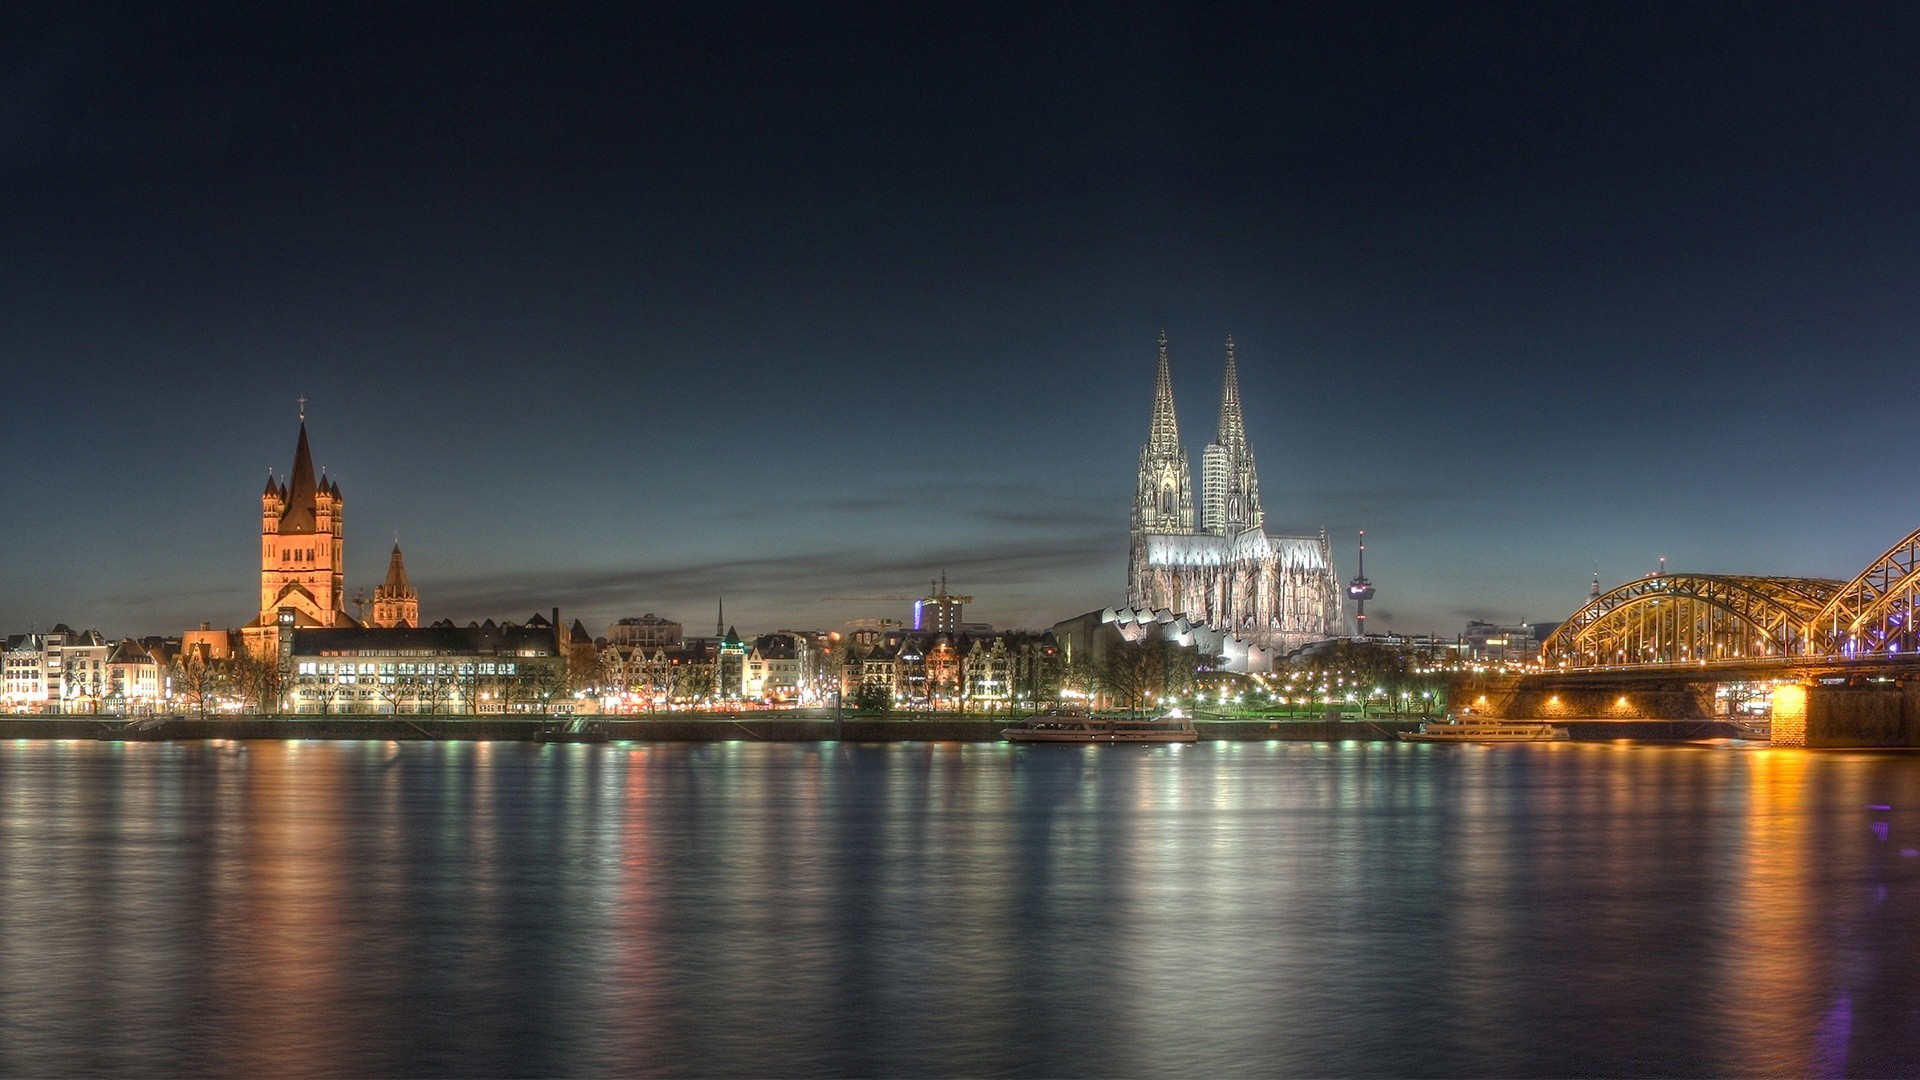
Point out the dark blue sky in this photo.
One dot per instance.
(616, 309)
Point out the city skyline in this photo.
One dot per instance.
(679, 310)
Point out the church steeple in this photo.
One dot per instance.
(1233, 429)
(1229, 483)
(302, 551)
(1163, 501)
(1164, 435)
(298, 516)
(395, 603)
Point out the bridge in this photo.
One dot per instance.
(1839, 656)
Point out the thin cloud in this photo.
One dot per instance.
(788, 585)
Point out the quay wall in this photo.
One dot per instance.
(766, 729)
(1863, 716)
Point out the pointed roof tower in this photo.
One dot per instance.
(396, 585)
(1164, 436)
(301, 486)
(1233, 429)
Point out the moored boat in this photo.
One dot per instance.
(1474, 729)
(1081, 728)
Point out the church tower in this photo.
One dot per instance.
(1229, 483)
(1163, 502)
(302, 556)
(395, 603)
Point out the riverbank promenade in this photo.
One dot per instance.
(727, 727)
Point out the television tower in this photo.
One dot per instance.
(1361, 590)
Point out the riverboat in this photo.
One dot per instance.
(1474, 729)
(1081, 728)
(571, 731)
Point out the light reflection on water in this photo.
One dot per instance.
(726, 909)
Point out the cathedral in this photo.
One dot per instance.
(1224, 571)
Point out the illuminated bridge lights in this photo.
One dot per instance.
(1693, 618)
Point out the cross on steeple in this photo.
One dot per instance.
(303, 408)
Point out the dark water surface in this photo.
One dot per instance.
(359, 909)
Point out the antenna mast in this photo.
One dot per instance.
(1361, 590)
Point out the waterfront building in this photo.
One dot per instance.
(28, 677)
(210, 644)
(947, 671)
(395, 603)
(302, 553)
(81, 661)
(61, 670)
(649, 678)
(478, 668)
(648, 632)
(1086, 640)
(1493, 643)
(730, 667)
(136, 677)
(1224, 572)
(777, 668)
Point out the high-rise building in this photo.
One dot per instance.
(939, 611)
(1228, 573)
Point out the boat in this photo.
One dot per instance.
(1063, 727)
(1475, 729)
(571, 731)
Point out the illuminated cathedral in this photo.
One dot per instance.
(1224, 571)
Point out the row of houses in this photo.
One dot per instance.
(953, 671)
(539, 665)
(69, 671)
(788, 667)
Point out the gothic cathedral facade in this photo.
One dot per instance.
(1225, 570)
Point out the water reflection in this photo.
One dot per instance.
(502, 909)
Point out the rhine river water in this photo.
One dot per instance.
(471, 909)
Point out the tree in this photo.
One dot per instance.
(872, 698)
(197, 681)
(256, 679)
(1131, 672)
(543, 682)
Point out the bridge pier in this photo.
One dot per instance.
(1543, 697)
(1858, 714)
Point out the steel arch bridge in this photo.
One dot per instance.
(1716, 619)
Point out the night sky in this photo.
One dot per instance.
(619, 309)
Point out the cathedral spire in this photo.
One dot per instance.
(1229, 483)
(1163, 502)
(1164, 436)
(1233, 429)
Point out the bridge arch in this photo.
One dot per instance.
(1690, 618)
(1873, 613)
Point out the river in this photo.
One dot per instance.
(481, 909)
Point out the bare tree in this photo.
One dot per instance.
(198, 681)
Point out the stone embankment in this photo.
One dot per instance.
(742, 728)
(682, 728)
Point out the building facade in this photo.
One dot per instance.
(479, 668)
(963, 672)
(647, 632)
(1223, 571)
